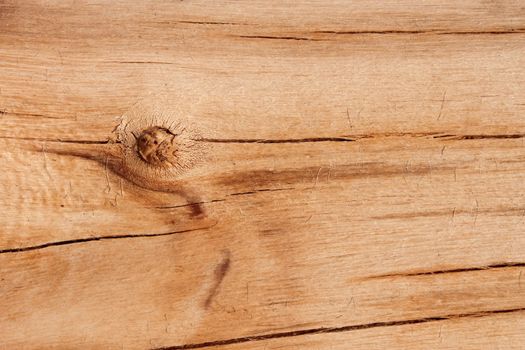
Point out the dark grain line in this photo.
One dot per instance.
(265, 178)
(98, 238)
(504, 265)
(323, 330)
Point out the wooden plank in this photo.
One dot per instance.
(345, 174)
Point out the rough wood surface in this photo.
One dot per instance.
(353, 178)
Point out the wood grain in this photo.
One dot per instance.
(358, 184)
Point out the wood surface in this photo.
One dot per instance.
(353, 177)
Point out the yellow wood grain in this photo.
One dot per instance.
(360, 183)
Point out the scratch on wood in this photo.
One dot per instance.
(442, 104)
(45, 160)
(348, 118)
(476, 212)
(317, 177)
(108, 186)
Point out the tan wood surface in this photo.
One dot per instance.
(351, 175)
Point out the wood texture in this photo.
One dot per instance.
(360, 183)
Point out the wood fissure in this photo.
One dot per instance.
(96, 239)
(426, 31)
(505, 265)
(350, 328)
(263, 141)
(345, 138)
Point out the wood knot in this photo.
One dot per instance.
(158, 146)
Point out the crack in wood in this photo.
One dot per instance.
(323, 330)
(480, 137)
(279, 37)
(262, 190)
(97, 238)
(71, 141)
(344, 138)
(223, 200)
(504, 265)
(189, 204)
(217, 23)
(309, 139)
(427, 31)
(385, 32)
